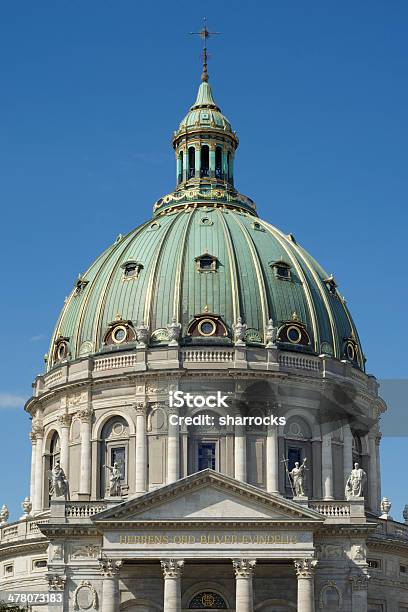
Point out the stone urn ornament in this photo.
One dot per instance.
(174, 330)
(142, 334)
(4, 515)
(239, 332)
(405, 513)
(270, 334)
(385, 509)
(27, 507)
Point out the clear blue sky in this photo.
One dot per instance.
(90, 94)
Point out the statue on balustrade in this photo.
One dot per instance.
(297, 475)
(115, 478)
(355, 483)
(59, 486)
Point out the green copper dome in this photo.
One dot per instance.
(207, 267)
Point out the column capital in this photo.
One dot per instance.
(56, 582)
(305, 568)
(244, 568)
(64, 420)
(110, 568)
(359, 582)
(172, 568)
(140, 408)
(37, 431)
(85, 415)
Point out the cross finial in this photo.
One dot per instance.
(204, 34)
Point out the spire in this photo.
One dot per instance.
(204, 74)
(204, 34)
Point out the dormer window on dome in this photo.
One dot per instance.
(131, 269)
(207, 325)
(119, 332)
(61, 349)
(331, 284)
(281, 269)
(206, 263)
(351, 350)
(294, 332)
(80, 285)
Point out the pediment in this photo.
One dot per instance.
(208, 496)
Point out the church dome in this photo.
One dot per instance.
(205, 269)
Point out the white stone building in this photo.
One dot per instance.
(157, 513)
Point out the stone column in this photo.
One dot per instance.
(327, 466)
(359, 586)
(185, 164)
(38, 478)
(33, 457)
(372, 476)
(305, 569)
(347, 452)
(86, 449)
(240, 453)
(65, 422)
(272, 463)
(197, 161)
(212, 161)
(377, 452)
(244, 597)
(172, 569)
(110, 586)
(173, 448)
(141, 448)
(56, 584)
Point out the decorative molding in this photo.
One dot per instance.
(56, 552)
(86, 585)
(172, 568)
(330, 584)
(85, 551)
(76, 399)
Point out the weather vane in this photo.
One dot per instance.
(205, 34)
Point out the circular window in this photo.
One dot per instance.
(62, 350)
(294, 334)
(351, 352)
(207, 327)
(119, 334)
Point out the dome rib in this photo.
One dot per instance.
(282, 240)
(259, 274)
(178, 287)
(236, 304)
(152, 277)
(97, 331)
(323, 294)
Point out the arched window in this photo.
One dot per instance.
(218, 162)
(114, 449)
(205, 161)
(180, 167)
(298, 447)
(207, 600)
(191, 162)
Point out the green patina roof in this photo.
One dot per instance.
(169, 284)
